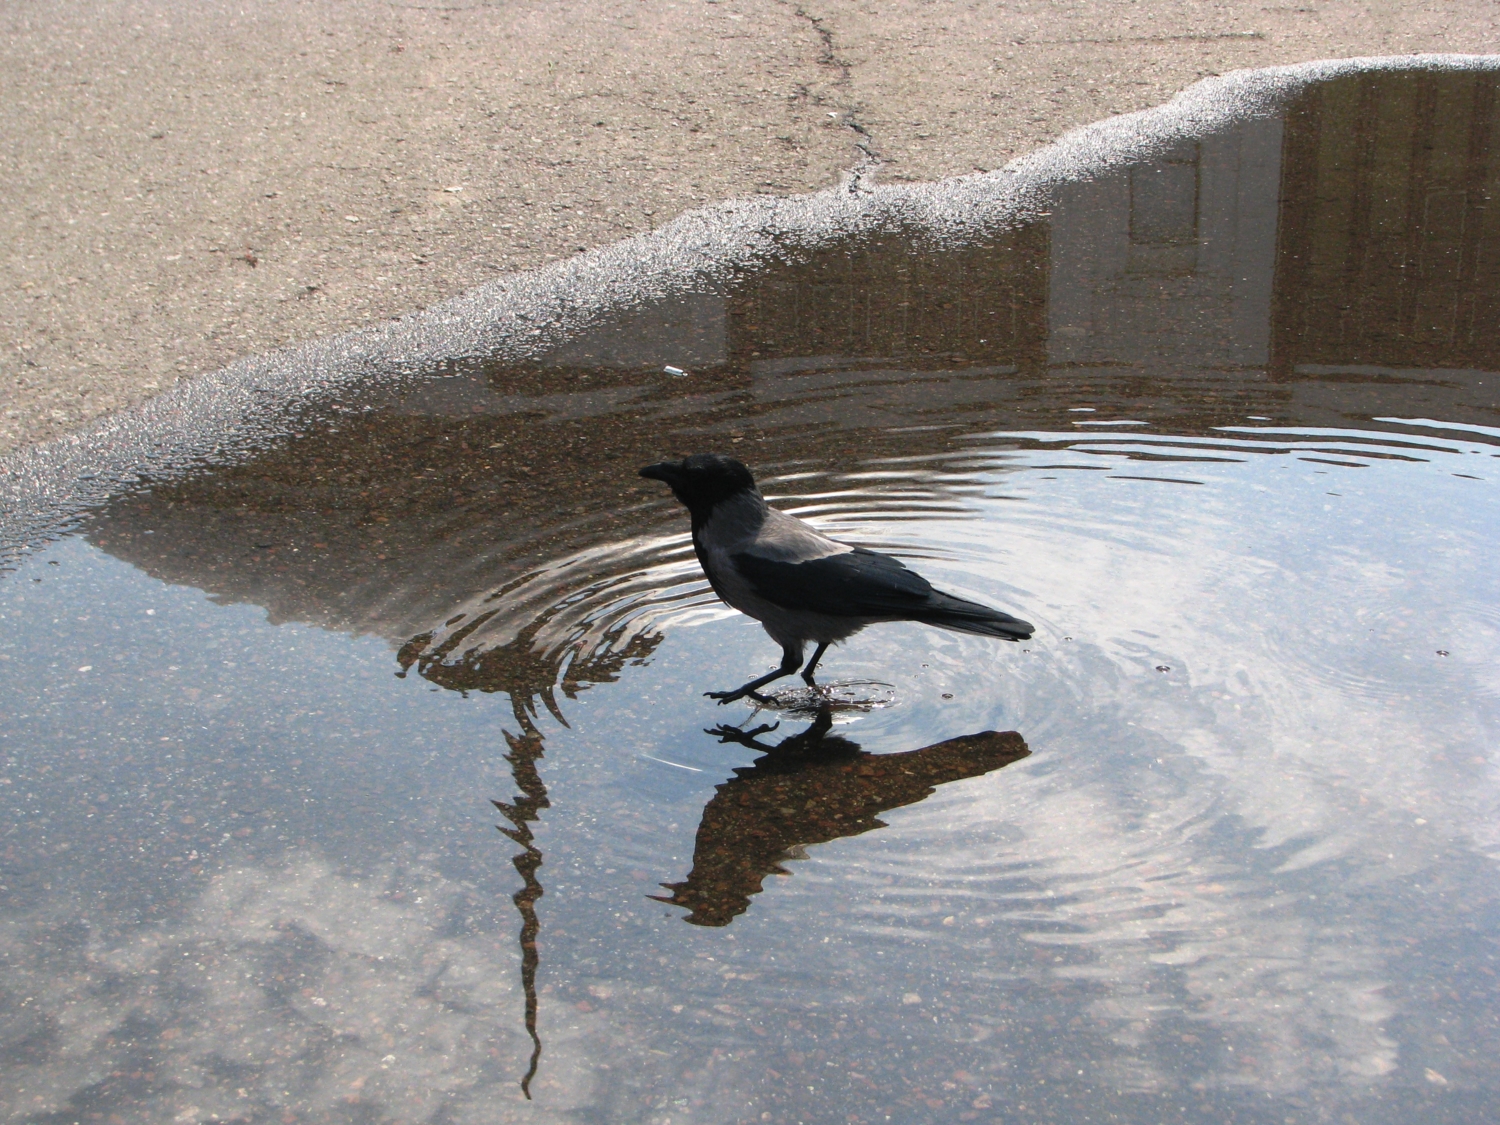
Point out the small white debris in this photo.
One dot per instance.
(1434, 1077)
(87, 668)
(670, 370)
(911, 998)
(351, 218)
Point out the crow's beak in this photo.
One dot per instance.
(669, 472)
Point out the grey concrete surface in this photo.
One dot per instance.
(182, 184)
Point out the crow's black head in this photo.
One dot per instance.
(702, 480)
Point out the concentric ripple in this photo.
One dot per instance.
(1217, 843)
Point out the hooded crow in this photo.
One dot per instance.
(798, 583)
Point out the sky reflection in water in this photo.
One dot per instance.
(1244, 873)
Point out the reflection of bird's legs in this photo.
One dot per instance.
(725, 733)
(807, 673)
(810, 740)
(791, 659)
(801, 742)
(821, 725)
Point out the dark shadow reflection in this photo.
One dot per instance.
(524, 671)
(809, 789)
(526, 674)
(525, 753)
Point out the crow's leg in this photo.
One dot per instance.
(807, 673)
(791, 660)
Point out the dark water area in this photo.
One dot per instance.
(1217, 845)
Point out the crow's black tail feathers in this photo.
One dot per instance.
(948, 612)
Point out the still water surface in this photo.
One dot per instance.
(1218, 844)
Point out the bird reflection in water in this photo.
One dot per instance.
(809, 789)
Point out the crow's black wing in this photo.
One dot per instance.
(857, 583)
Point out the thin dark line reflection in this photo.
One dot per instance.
(525, 752)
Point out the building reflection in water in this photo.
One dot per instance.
(1388, 257)
(1171, 262)
(1331, 266)
(811, 788)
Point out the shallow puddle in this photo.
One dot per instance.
(1218, 844)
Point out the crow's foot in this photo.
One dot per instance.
(739, 693)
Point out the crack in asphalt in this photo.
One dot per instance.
(848, 111)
